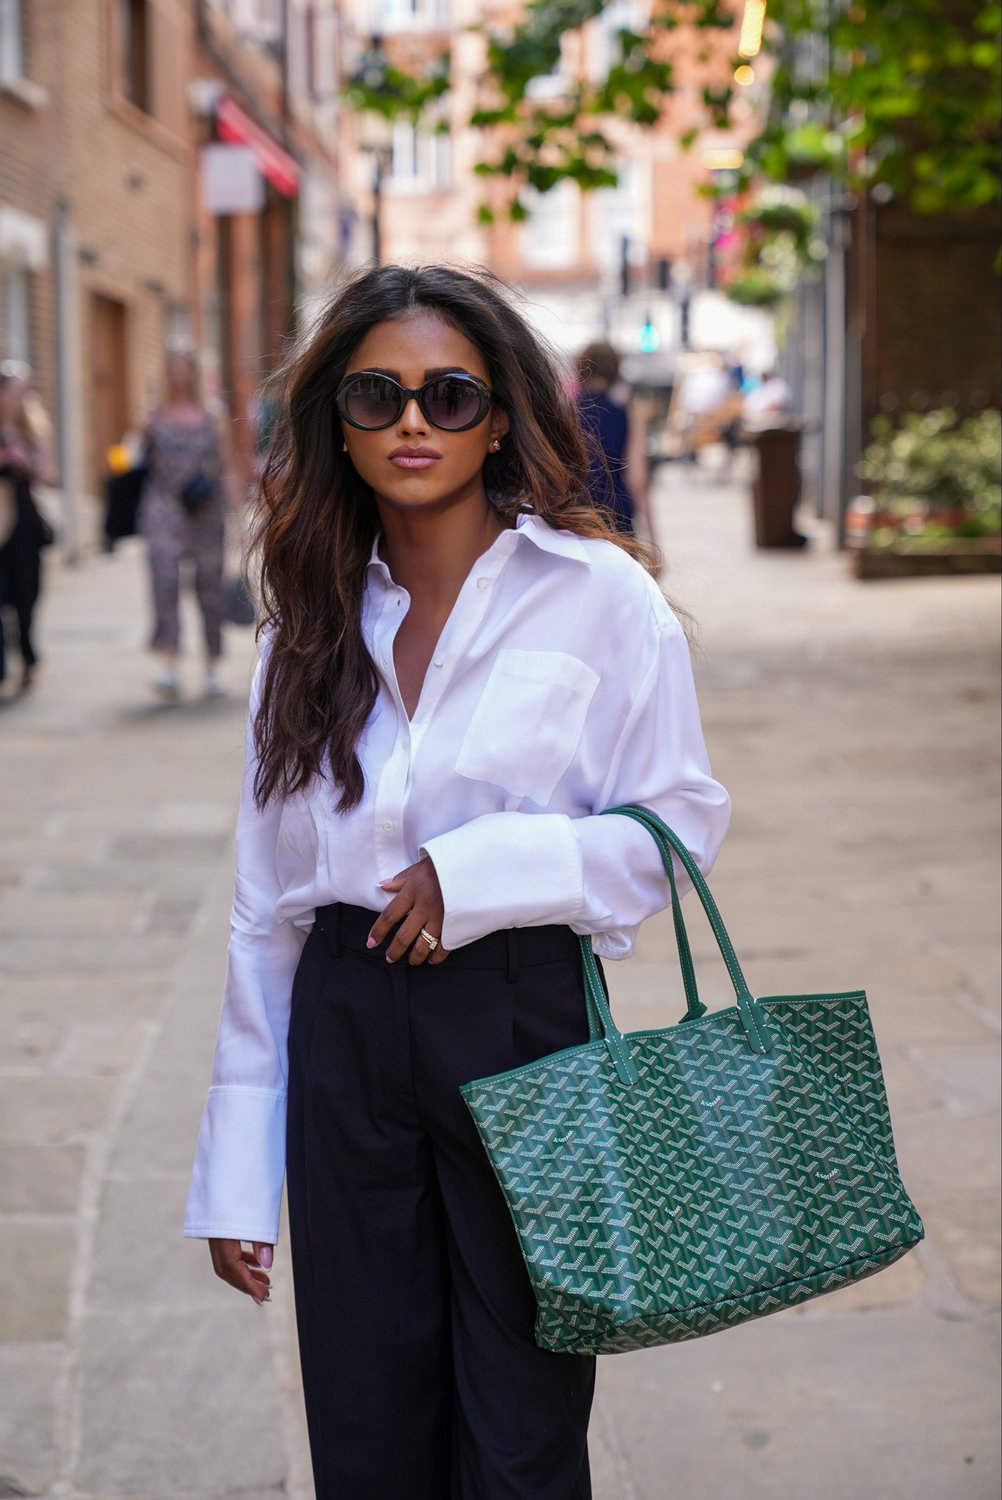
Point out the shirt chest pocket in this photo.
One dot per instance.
(528, 722)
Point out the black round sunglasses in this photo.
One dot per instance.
(452, 402)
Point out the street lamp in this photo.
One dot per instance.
(375, 138)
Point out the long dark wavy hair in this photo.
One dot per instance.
(317, 518)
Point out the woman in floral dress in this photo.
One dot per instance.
(185, 443)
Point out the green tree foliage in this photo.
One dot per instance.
(904, 93)
(556, 135)
(397, 93)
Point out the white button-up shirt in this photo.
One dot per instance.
(561, 685)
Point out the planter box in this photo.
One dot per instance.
(980, 555)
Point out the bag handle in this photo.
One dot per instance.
(663, 835)
(600, 1021)
(694, 1006)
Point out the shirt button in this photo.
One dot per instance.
(440, 661)
(387, 826)
(482, 583)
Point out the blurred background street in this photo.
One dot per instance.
(774, 229)
(857, 730)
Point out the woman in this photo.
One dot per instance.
(443, 706)
(183, 515)
(23, 530)
(617, 469)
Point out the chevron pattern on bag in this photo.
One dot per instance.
(726, 1184)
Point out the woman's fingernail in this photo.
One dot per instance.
(265, 1258)
(385, 884)
(371, 943)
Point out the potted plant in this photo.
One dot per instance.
(934, 482)
(774, 244)
(757, 287)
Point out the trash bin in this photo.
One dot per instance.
(776, 485)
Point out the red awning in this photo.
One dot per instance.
(237, 127)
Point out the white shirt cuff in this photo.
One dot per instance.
(236, 1184)
(506, 869)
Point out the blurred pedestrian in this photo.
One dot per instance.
(183, 517)
(767, 402)
(735, 365)
(463, 663)
(617, 469)
(24, 461)
(705, 403)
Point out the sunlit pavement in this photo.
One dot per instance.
(856, 727)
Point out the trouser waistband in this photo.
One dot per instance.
(512, 948)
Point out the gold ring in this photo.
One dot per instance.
(431, 941)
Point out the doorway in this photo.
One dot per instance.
(109, 382)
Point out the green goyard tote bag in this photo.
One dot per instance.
(672, 1183)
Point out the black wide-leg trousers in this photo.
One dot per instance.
(415, 1313)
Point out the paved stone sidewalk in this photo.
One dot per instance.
(856, 727)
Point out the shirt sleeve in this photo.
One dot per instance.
(236, 1183)
(599, 875)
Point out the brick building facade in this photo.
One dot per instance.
(111, 246)
(265, 85)
(95, 212)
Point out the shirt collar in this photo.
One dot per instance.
(527, 525)
(548, 539)
(375, 561)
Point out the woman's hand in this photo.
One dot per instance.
(417, 902)
(243, 1269)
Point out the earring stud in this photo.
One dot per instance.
(496, 445)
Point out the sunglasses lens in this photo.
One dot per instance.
(372, 401)
(452, 403)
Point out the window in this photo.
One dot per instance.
(321, 47)
(420, 161)
(11, 40)
(134, 56)
(617, 214)
(550, 235)
(312, 44)
(147, 62)
(17, 314)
